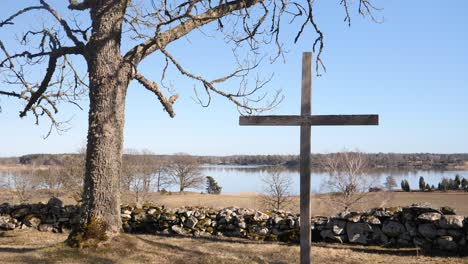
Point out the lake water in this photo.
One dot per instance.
(236, 179)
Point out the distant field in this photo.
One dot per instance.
(28, 246)
(456, 200)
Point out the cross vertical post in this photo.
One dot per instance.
(305, 214)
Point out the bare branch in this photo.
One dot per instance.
(62, 22)
(141, 51)
(9, 21)
(153, 87)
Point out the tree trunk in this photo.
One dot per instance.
(109, 77)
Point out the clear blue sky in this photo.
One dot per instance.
(412, 70)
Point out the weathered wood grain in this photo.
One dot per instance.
(311, 120)
(305, 216)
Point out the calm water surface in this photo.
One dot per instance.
(235, 179)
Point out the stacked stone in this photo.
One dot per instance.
(421, 226)
(414, 226)
(53, 216)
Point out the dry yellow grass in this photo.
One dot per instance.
(28, 246)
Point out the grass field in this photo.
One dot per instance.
(30, 246)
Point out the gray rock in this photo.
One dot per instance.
(338, 226)
(358, 232)
(191, 221)
(55, 202)
(259, 216)
(422, 243)
(447, 243)
(46, 228)
(451, 221)
(441, 232)
(370, 219)
(126, 217)
(378, 236)
(446, 210)
(393, 229)
(242, 225)
(429, 231)
(429, 217)
(329, 235)
(32, 221)
(455, 233)
(6, 222)
(411, 228)
(20, 212)
(405, 236)
(403, 242)
(178, 230)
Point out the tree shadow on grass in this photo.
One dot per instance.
(390, 251)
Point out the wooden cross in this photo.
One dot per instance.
(306, 120)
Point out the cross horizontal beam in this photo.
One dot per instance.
(313, 120)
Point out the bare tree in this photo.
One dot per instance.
(21, 184)
(72, 173)
(95, 38)
(390, 182)
(50, 179)
(138, 171)
(347, 180)
(185, 172)
(162, 179)
(276, 190)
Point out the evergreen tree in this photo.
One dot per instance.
(428, 188)
(422, 184)
(457, 182)
(464, 184)
(212, 186)
(403, 187)
(408, 189)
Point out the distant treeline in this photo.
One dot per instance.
(420, 161)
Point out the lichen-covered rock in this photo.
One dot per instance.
(33, 220)
(178, 230)
(446, 210)
(393, 228)
(451, 221)
(259, 216)
(358, 232)
(7, 223)
(429, 217)
(370, 219)
(191, 221)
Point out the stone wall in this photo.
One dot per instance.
(421, 226)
